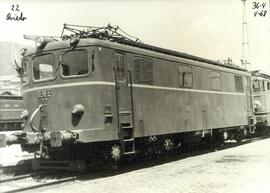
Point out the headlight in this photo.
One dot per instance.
(40, 42)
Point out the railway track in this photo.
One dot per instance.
(34, 181)
(24, 176)
(24, 167)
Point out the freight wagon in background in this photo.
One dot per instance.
(98, 93)
(11, 107)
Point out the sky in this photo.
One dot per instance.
(211, 29)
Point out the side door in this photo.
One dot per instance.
(124, 102)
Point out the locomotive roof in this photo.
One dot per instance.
(258, 73)
(55, 45)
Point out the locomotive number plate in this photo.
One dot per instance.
(45, 93)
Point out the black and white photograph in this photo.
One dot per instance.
(126, 96)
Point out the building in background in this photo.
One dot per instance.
(10, 84)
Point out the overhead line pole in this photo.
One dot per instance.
(245, 43)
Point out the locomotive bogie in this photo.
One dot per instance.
(263, 120)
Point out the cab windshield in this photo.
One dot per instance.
(256, 85)
(74, 63)
(70, 63)
(43, 67)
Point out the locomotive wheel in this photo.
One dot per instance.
(245, 133)
(225, 136)
(239, 137)
(115, 152)
(168, 144)
(153, 146)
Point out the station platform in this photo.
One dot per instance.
(242, 169)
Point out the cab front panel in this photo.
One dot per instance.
(58, 109)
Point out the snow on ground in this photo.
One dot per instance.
(243, 169)
(11, 155)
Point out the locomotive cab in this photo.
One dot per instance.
(65, 89)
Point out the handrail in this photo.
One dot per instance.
(34, 129)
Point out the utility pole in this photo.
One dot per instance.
(245, 44)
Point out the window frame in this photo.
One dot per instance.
(45, 79)
(89, 64)
(242, 85)
(125, 65)
(183, 73)
(148, 82)
(211, 80)
(256, 89)
(28, 72)
(264, 85)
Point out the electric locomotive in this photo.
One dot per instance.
(97, 92)
(10, 112)
(261, 97)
